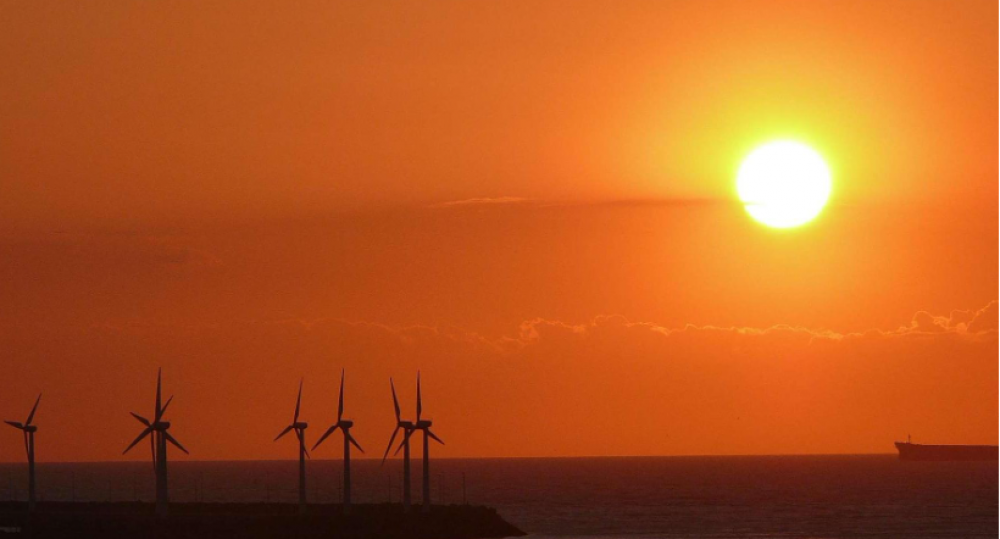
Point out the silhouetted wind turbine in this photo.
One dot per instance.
(29, 431)
(424, 425)
(158, 444)
(407, 427)
(299, 428)
(345, 425)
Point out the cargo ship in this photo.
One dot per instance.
(911, 451)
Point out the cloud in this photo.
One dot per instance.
(985, 320)
(971, 325)
(120, 250)
(485, 201)
(976, 324)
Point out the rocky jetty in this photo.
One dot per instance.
(249, 521)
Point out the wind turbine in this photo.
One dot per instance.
(299, 427)
(158, 445)
(424, 425)
(407, 427)
(345, 425)
(29, 431)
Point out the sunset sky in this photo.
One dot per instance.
(532, 202)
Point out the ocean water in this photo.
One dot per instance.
(634, 497)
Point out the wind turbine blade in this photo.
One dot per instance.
(302, 439)
(419, 406)
(141, 419)
(387, 449)
(395, 401)
(353, 441)
(167, 404)
(298, 403)
(145, 432)
(159, 377)
(328, 432)
(406, 440)
(284, 432)
(152, 451)
(15, 424)
(340, 405)
(172, 440)
(33, 408)
(27, 451)
(432, 435)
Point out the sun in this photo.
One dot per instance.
(783, 184)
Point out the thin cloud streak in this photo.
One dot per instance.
(485, 201)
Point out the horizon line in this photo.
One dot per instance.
(570, 457)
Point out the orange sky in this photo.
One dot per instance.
(533, 202)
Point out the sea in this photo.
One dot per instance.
(626, 497)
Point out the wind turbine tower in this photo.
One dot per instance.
(299, 427)
(29, 431)
(425, 425)
(407, 427)
(345, 425)
(158, 444)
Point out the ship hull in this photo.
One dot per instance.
(921, 452)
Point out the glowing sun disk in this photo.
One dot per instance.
(783, 184)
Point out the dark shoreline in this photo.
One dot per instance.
(130, 520)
